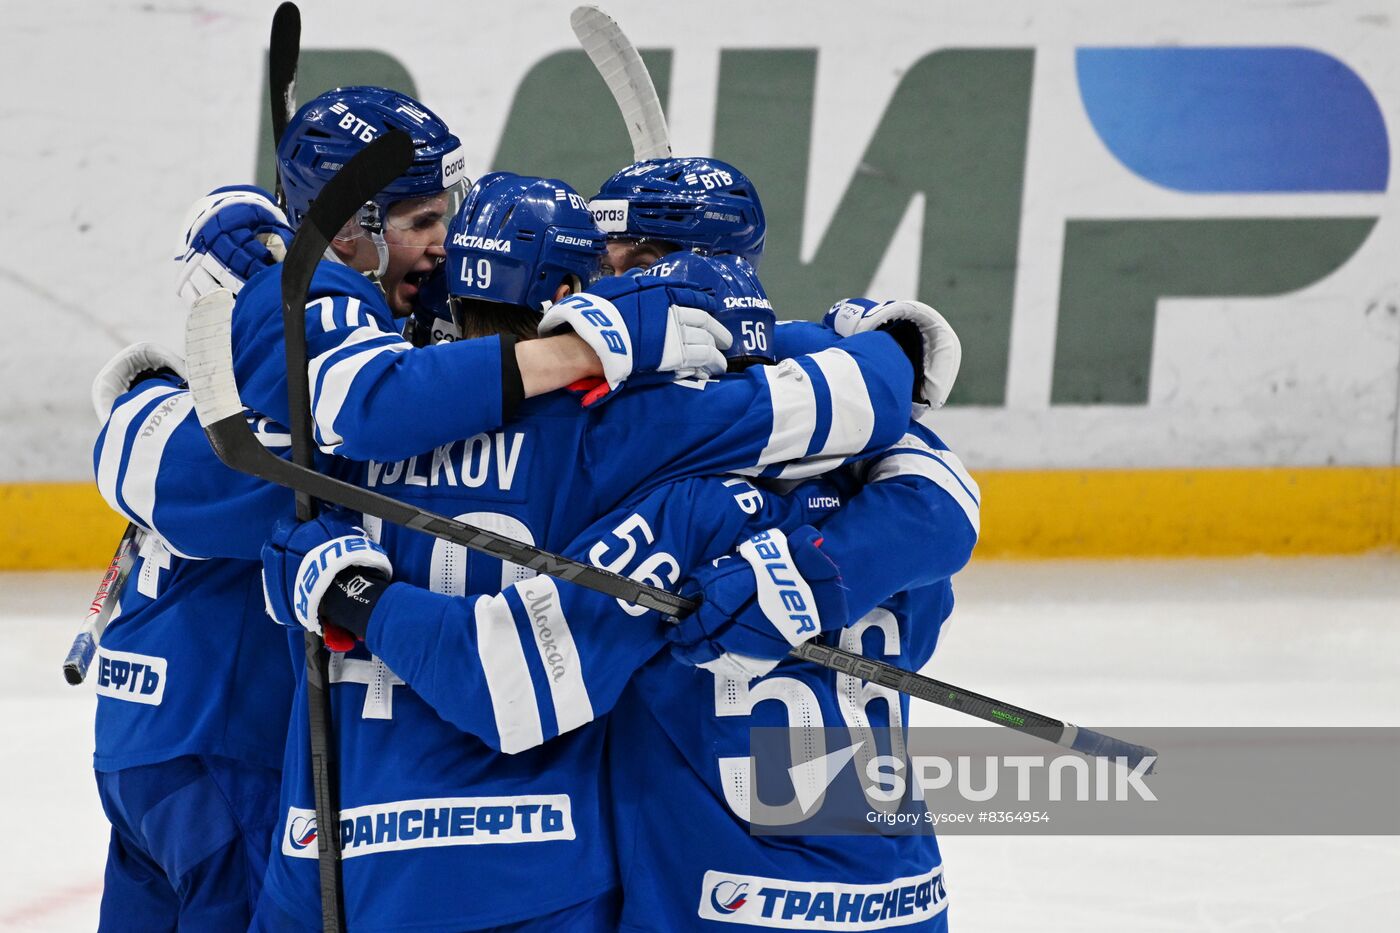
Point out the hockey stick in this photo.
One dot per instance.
(89, 637)
(626, 76)
(283, 50)
(363, 176)
(220, 411)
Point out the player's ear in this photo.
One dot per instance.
(569, 286)
(345, 248)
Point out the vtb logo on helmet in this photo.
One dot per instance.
(330, 129)
(746, 311)
(702, 204)
(517, 238)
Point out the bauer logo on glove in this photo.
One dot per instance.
(321, 564)
(783, 595)
(602, 316)
(302, 559)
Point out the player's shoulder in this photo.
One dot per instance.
(920, 431)
(331, 279)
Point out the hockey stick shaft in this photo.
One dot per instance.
(628, 80)
(221, 413)
(283, 51)
(89, 637)
(369, 170)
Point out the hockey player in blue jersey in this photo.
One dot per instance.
(193, 686)
(897, 542)
(686, 855)
(520, 679)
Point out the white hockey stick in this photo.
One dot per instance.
(627, 78)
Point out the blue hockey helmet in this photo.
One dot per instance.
(745, 310)
(328, 130)
(696, 203)
(517, 238)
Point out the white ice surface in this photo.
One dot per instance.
(1253, 642)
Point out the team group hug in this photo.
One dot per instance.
(604, 378)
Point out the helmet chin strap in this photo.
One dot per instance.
(372, 223)
(368, 218)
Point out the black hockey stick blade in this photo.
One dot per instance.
(283, 50)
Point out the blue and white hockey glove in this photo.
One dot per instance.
(230, 234)
(301, 562)
(926, 337)
(644, 325)
(775, 593)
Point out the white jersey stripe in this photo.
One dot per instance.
(852, 417)
(114, 448)
(951, 460)
(143, 461)
(794, 414)
(562, 664)
(933, 467)
(329, 398)
(508, 682)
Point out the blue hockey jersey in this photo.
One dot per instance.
(423, 783)
(189, 663)
(679, 736)
(370, 397)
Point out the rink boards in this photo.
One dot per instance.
(1166, 236)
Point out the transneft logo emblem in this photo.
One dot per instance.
(817, 905)
(301, 832)
(728, 896)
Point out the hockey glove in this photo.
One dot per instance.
(644, 325)
(777, 592)
(303, 560)
(924, 335)
(230, 235)
(122, 372)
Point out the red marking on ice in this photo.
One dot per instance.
(52, 902)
